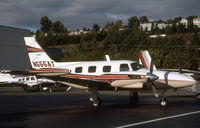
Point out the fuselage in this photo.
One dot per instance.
(109, 71)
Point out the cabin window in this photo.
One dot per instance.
(78, 69)
(124, 67)
(32, 78)
(136, 66)
(92, 69)
(106, 68)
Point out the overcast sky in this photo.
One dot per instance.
(84, 13)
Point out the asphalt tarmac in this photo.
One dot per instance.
(72, 110)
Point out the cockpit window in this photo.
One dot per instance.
(136, 66)
(32, 78)
(124, 67)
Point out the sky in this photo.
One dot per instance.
(76, 14)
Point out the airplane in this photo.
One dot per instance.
(115, 75)
(145, 56)
(27, 82)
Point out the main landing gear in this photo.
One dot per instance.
(95, 101)
(163, 100)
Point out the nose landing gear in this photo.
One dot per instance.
(163, 100)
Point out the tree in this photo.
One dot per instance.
(109, 26)
(133, 22)
(96, 28)
(195, 40)
(46, 24)
(177, 19)
(143, 19)
(118, 24)
(190, 27)
(181, 28)
(58, 27)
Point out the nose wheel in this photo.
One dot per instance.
(163, 102)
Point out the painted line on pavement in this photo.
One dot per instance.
(159, 119)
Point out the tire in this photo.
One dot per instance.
(163, 103)
(96, 104)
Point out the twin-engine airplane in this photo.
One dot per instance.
(27, 82)
(106, 75)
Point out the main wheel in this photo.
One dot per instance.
(163, 102)
(96, 103)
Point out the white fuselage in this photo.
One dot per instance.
(107, 70)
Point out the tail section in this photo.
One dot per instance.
(38, 57)
(145, 59)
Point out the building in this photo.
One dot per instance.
(146, 26)
(161, 25)
(78, 32)
(184, 22)
(13, 53)
(196, 21)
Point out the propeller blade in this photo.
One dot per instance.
(151, 64)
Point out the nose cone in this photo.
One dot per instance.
(178, 80)
(151, 77)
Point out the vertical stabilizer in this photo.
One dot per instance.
(145, 59)
(38, 57)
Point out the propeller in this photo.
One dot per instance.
(151, 64)
(152, 77)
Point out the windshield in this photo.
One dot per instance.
(136, 66)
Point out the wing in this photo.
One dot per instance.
(105, 81)
(80, 83)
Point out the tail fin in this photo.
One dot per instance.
(145, 59)
(38, 57)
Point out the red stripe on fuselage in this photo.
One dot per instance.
(98, 77)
